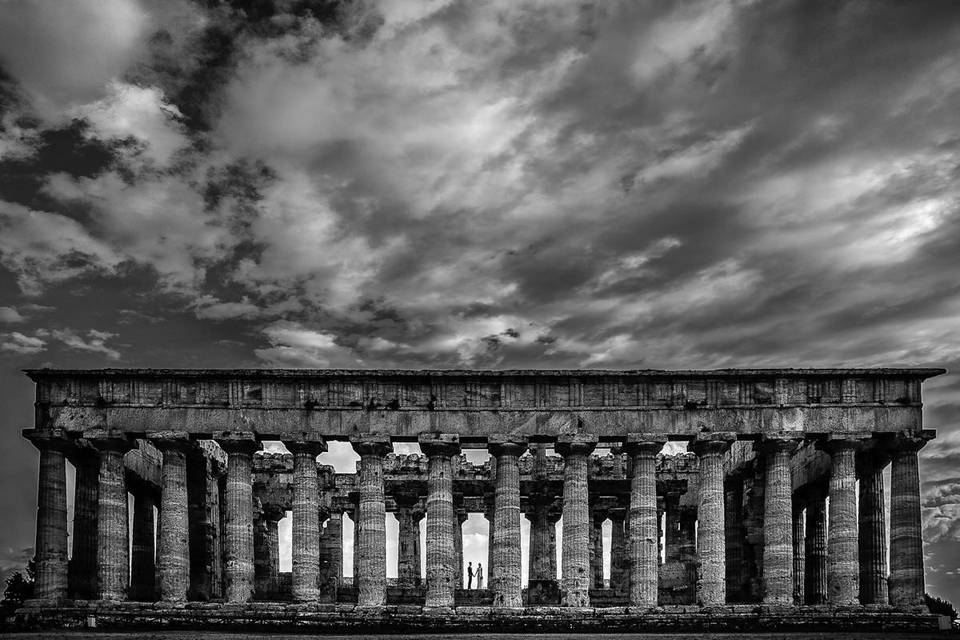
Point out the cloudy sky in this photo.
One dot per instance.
(480, 184)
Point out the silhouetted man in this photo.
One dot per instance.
(470, 575)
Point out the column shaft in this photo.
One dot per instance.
(733, 526)
(619, 555)
(799, 556)
(306, 518)
(576, 519)
(51, 550)
(331, 555)
(83, 564)
(371, 563)
(173, 538)
(408, 547)
(906, 542)
(441, 549)
(506, 583)
(642, 523)
(596, 552)
(238, 499)
(113, 554)
(778, 523)
(541, 567)
(143, 579)
(815, 548)
(711, 548)
(842, 561)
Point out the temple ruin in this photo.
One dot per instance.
(774, 517)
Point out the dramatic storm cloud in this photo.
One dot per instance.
(481, 184)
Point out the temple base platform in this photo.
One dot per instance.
(346, 618)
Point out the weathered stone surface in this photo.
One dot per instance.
(143, 563)
(906, 542)
(799, 554)
(371, 552)
(408, 544)
(644, 537)
(872, 537)
(506, 583)
(173, 539)
(331, 555)
(815, 548)
(711, 579)
(306, 520)
(575, 449)
(113, 555)
(238, 526)
(441, 556)
(83, 563)
(778, 521)
(51, 550)
(843, 568)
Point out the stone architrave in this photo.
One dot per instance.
(872, 537)
(306, 517)
(815, 547)
(575, 449)
(711, 543)
(506, 583)
(642, 520)
(238, 508)
(906, 588)
(50, 583)
(113, 552)
(843, 570)
(778, 520)
(173, 540)
(441, 550)
(371, 551)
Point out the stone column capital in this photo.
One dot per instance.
(507, 444)
(779, 443)
(109, 440)
(715, 443)
(576, 444)
(48, 439)
(314, 444)
(909, 442)
(237, 441)
(371, 444)
(843, 442)
(170, 440)
(643, 444)
(439, 444)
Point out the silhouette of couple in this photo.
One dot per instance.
(471, 574)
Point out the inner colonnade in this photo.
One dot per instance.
(762, 508)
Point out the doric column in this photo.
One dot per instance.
(506, 583)
(459, 517)
(711, 548)
(113, 552)
(842, 559)
(441, 549)
(541, 567)
(306, 521)
(173, 540)
(143, 563)
(83, 564)
(815, 548)
(596, 551)
(331, 554)
(643, 526)
(50, 583)
(671, 529)
(799, 558)
(491, 527)
(204, 469)
(778, 521)
(371, 564)
(872, 538)
(409, 514)
(238, 528)
(619, 553)
(576, 449)
(906, 542)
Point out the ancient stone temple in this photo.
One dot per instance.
(774, 517)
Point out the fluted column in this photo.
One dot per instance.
(331, 554)
(266, 551)
(441, 550)
(733, 525)
(83, 563)
(778, 521)
(671, 529)
(143, 563)
(409, 515)
(541, 567)
(113, 552)
(596, 551)
(306, 522)
(506, 583)
(238, 499)
(906, 542)
(799, 557)
(459, 517)
(173, 539)
(371, 564)
(642, 520)
(711, 543)
(575, 555)
(872, 538)
(842, 558)
(50, 583)
(815, 548)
